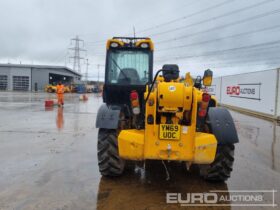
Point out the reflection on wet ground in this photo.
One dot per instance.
(48, 161)
(59, 118)
(147, 189)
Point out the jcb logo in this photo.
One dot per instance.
(233, 90)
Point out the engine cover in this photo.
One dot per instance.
(174, 96)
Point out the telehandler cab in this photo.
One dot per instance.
(161, 118)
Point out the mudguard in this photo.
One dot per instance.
(108, 117)
(222, 125)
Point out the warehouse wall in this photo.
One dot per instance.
(256, 91)
(41, 77)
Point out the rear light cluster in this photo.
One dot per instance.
(202, 111)
(134, 100)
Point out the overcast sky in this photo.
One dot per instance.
(228, 36)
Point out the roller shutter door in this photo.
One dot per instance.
(21, 83)
(3, 82)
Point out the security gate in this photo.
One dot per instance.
(3, 82)
(21, 83)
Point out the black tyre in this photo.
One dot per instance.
(109, 161)
(221, 168)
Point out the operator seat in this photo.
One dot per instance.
(128, 76)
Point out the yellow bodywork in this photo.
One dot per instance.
(50, 88)
(119, 42)
(176, 99)
(148, 41)
(168, 91)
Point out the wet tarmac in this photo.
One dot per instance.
(48, 160)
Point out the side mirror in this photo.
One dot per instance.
(207, 77)
(197, 82)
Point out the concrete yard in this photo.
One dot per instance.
(48, 160)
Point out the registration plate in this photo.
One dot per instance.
(169, 131)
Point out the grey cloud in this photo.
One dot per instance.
(40, 31)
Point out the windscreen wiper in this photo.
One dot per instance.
(120, 69)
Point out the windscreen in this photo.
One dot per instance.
(128, 67)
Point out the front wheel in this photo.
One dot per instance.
(220, 169)
(109, 161)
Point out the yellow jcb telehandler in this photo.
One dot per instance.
(160, 118)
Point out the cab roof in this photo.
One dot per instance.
(130, 42)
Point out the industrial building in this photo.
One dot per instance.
(23, 77)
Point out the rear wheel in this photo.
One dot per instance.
(109, 161)
(221, 168)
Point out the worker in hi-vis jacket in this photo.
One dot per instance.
(60, 94)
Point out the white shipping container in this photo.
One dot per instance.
(255, 91)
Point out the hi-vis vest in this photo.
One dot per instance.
(60, 89)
